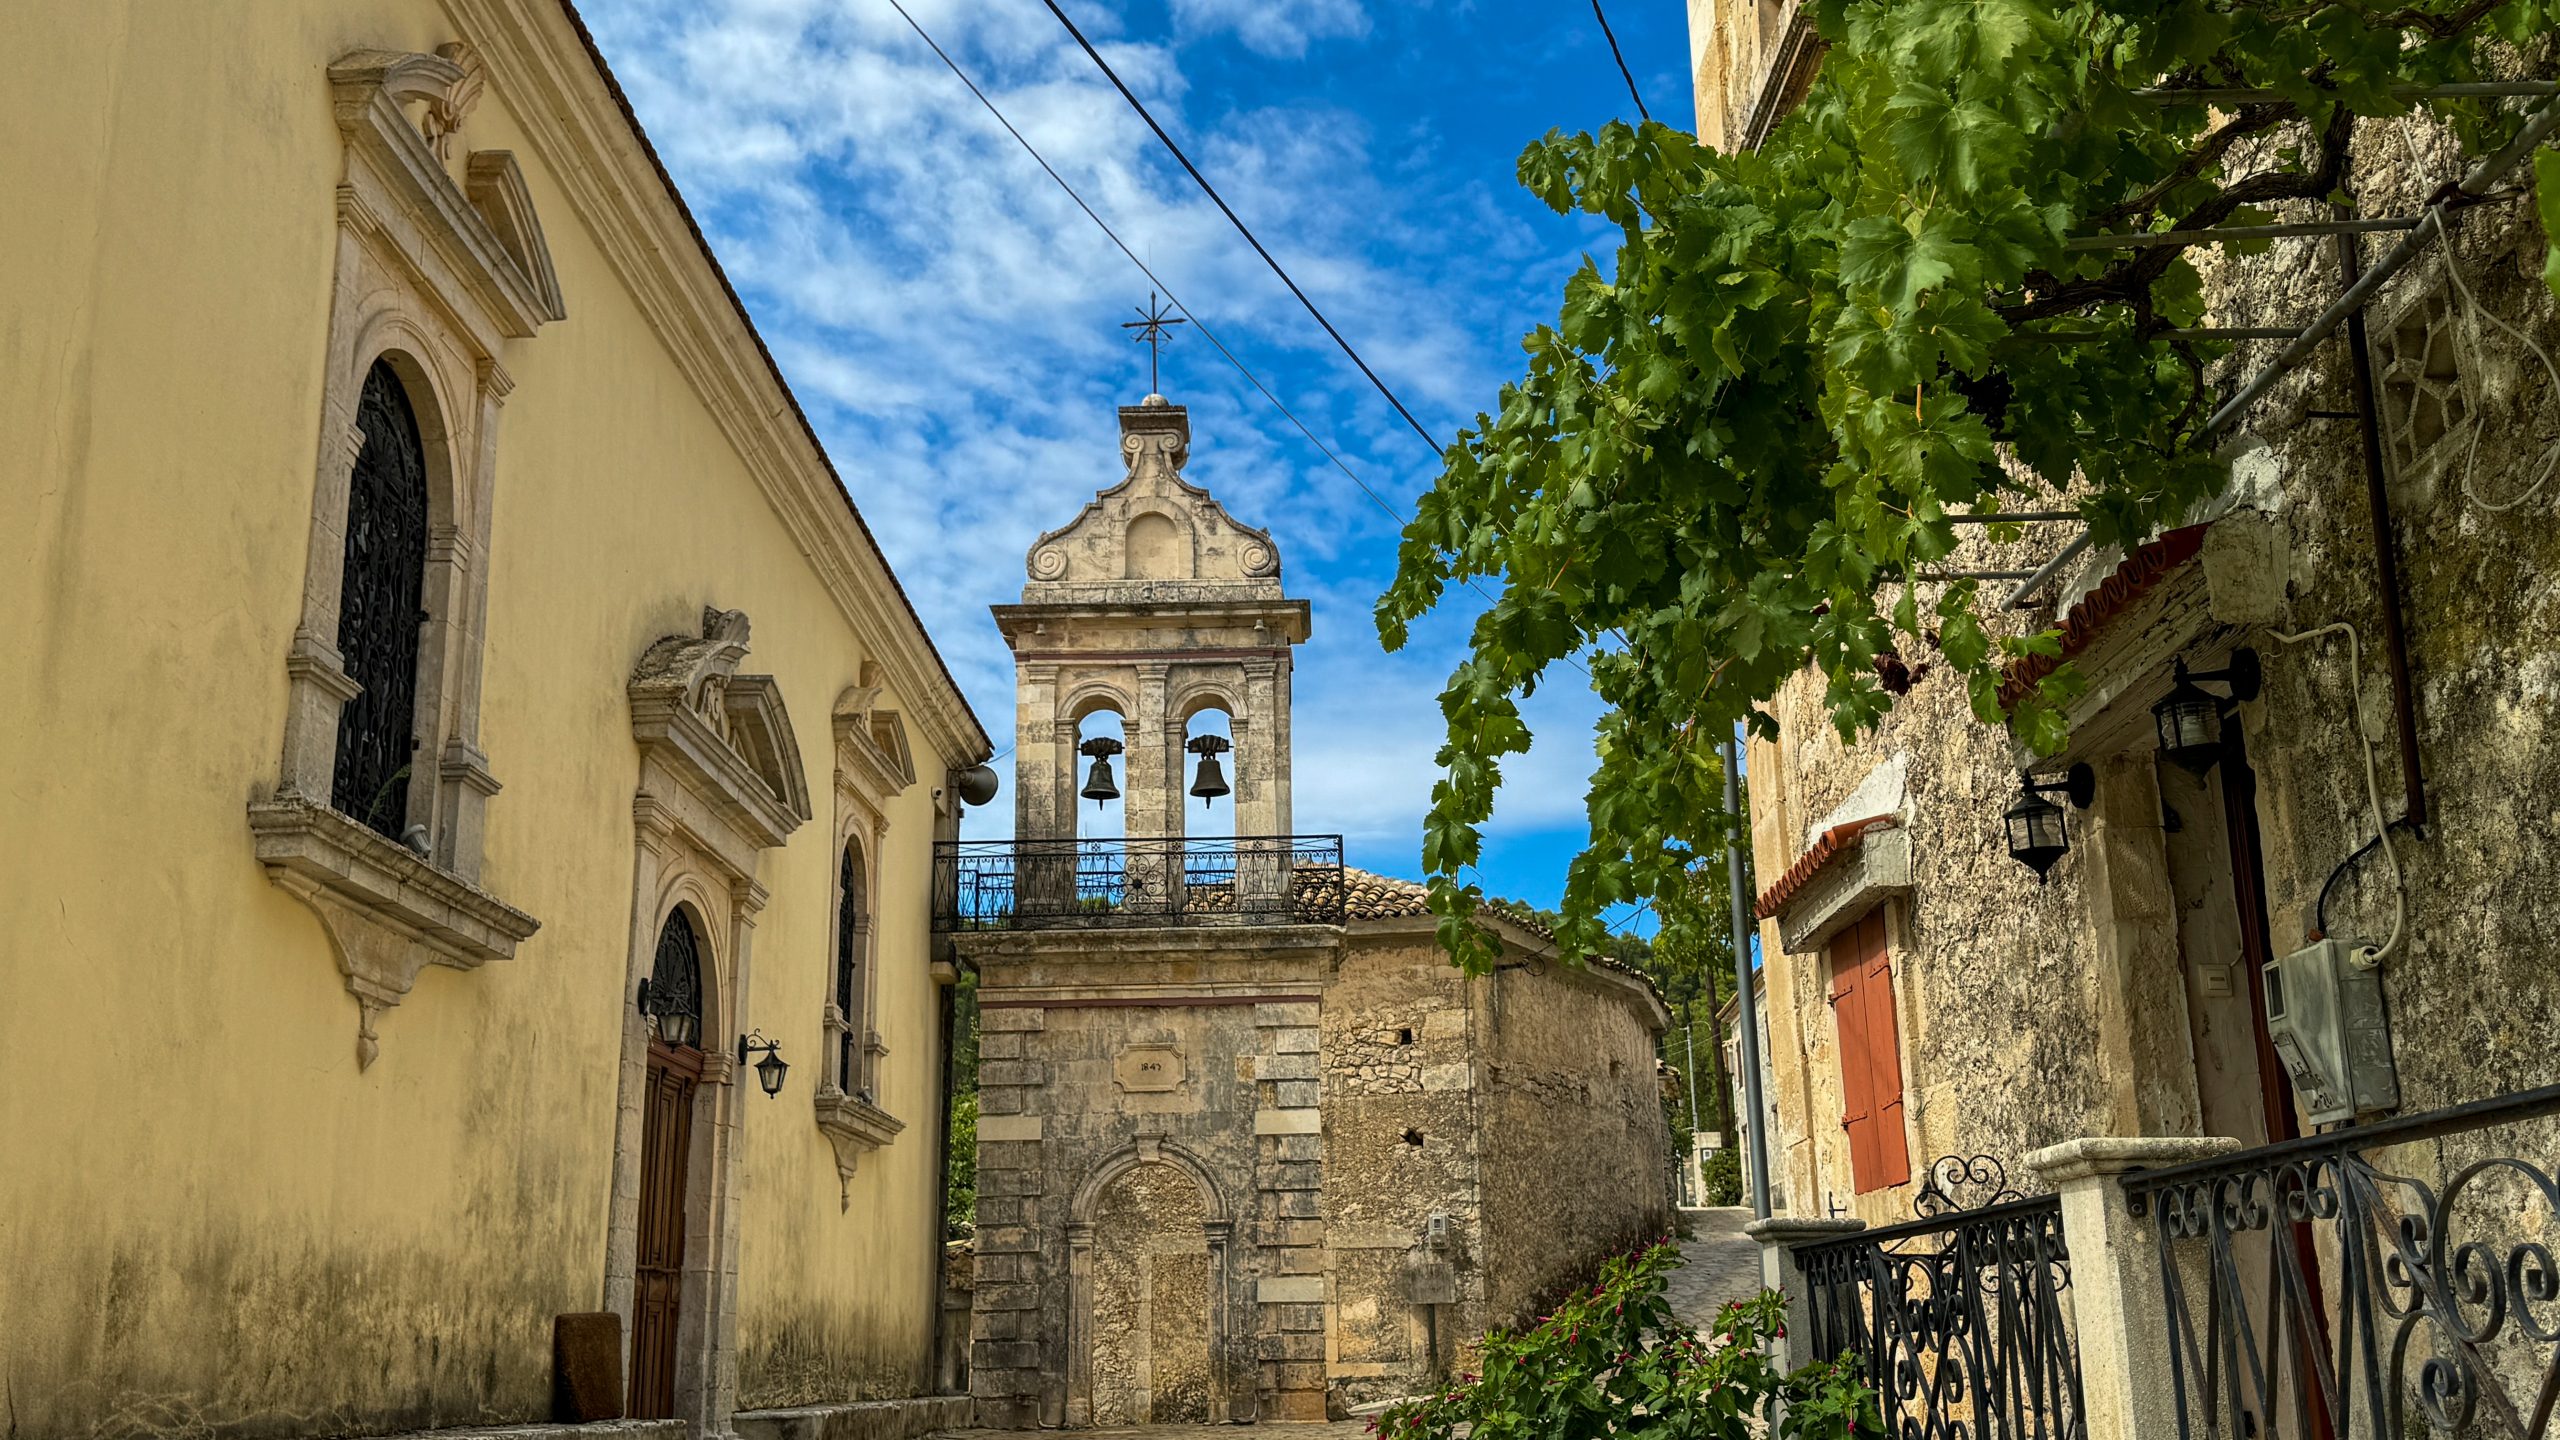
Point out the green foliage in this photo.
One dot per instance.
(960, 1179)
(1723, 1174)
(1616, 1363)
(961, 1184)
(1738, 448)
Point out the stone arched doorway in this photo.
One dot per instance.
(1148, 1272)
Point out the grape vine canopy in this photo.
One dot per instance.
(1735, 452)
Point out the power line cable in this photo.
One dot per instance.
(1620, 57)
(1205, 332)
(1143, 268)
(1243, 229)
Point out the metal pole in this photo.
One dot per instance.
(1690, 1031)
(1750, 1012)
(1689, 1034)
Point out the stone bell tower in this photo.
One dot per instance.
(1156, 604)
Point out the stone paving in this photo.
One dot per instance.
(1724, 1265)
(1334, 1430)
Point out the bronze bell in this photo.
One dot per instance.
(1098, 784)
(1212, 781)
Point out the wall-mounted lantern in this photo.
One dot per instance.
(1213, 779)
(673, 1014)
(2039, 833)
(1099, 787)
(2190, 719)
(770, 1069)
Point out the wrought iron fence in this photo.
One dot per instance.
(1100, 884)
(2316, 1289)
(1962, 1322)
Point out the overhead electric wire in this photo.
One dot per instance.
(1143, 268)
(1205, 332)
(1437, 449)
(1620, 57)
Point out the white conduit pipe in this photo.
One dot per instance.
(2371, 956)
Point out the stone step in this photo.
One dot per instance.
(863, 1420)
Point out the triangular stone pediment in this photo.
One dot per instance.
(1154, 536)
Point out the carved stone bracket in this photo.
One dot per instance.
(853, 1125)
(388, 912)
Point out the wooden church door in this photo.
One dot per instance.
(671, 1000)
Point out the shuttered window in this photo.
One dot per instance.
(1870, 1055)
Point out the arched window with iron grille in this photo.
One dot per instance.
(671, 998)
(852, 930)
(380, 608)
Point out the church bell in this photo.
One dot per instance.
(1099, 787)
(1212, 781)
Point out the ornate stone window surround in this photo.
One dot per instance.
(873, 767)
(720, 784)
(438, 264)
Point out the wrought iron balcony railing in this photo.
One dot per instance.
(1961, 1320)
(2386, 1280)
(1137, 883)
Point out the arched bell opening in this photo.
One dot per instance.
(1101, 775)
(1211, 762)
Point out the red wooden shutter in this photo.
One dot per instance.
(1884, 1052)
(1857, 1072)
(1870, 1055)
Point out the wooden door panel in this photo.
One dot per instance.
(666, 1138)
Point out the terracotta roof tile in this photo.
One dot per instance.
(1833, 843)
(1382, 897)
(2141, 571)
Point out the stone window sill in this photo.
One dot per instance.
(388, 911)
(853, 1125)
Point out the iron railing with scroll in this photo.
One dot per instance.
(2384, 1280)
(1961, 1319)
(1100, 884)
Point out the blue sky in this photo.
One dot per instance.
(952, 322)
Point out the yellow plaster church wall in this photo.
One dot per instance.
(211, 1219)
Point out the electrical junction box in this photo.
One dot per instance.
(2326, 1017)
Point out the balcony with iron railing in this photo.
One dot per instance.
(983, 885)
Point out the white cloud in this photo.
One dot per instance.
(951, 321)
(1273, 27)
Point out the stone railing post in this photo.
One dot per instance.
(1778, 1235)
(2116, 1304)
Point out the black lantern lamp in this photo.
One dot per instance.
(1098, 785)
(675, 1018)
(2190, 719)
(2038, 832)
(770, 1069)
(1213, 777)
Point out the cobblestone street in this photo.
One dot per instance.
(1724, 1265)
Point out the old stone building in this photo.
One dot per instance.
(1250, 1148)
(2228, 954)
(466, 743)
(2118, 997)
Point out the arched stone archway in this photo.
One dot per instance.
(1149, 1358)
(1148, 1276)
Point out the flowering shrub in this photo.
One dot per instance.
(1614, 1362)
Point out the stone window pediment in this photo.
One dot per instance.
(724, 735)
(872, 755)
(479, 235)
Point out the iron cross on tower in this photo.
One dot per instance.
(1152, 333)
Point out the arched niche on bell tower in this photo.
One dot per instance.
(1157, 604)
